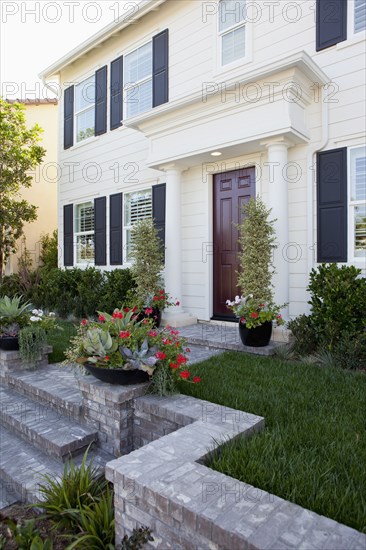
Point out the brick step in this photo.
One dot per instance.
(44, 427)
(54, 386)
(22, 466)
(7, 495)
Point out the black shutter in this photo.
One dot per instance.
(69, 117)
(116, 93)
(161, 68)
(115, 229)
(158, 210)
(100, 251)
(331, 23)
(332, 205)
(101, 101)
(69, 235)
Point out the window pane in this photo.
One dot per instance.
(138, 64)
(85, 125)
(360, 231)
(85, 94)
(358, 173)
(137, 206)
(233, 46)
(84, 217)
(360, 15)
(139, 98)
(231, 12)
(85, 249)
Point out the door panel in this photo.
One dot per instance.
(231, 191)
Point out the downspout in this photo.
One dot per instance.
(311, 178)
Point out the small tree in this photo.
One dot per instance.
(147, 254)
(19, 153)
(257, 242)
(49, 250)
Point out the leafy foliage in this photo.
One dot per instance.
(27, 536)
(19, 153)
(147, 256)
(257, 241)
(49, 250)
(304, 333)
(31, 341)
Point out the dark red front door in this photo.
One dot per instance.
(231, 191)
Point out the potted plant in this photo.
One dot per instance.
(13, 316)
(121, 349)
(147, 255)
(33, 336)
(256, 309)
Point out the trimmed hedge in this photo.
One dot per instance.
(78, 292)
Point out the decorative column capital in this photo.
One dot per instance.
(277, 142)
(171, 168)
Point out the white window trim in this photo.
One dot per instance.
(127, 263)
(76, 113)
(77, 234)
(127, 86)
(237, 65)
(351, 211)
(352, 37)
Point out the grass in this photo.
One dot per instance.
(313, 449)
(60, 340)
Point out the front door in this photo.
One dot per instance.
(231, 191)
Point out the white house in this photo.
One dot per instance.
(183, 109)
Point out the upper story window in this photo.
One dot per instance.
(84, 109)
(357, 164)
(359, 24)
(84, 232)
(232, 30)
(138, 80)
(137, 206)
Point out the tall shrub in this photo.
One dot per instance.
(257, 242)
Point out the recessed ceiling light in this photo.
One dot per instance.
(216, 154)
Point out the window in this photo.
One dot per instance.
(358, 201)
(84, 233)
(359, 24)
(232, 30)
(85, 109)
(138, 80)
(137, 206)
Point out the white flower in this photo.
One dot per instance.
(34, 319)
(237, 299)
(51, 314)
(35, 311)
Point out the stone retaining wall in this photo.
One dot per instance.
(11, 361)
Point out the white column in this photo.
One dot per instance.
(278, 201)
(175, 315)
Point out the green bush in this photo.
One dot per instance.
(49, 250)
(350, 352)
(305, 338)
(338, 302)
(117, 284)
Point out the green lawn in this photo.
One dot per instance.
(60, 340)
(313, 449)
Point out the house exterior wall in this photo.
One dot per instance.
(328, 119)
(43, 192)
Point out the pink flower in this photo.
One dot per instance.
(160, 355)
(188, 350)
(152, 333)
(184, 374)
(177, 303)
(101, 318)
(196, 380)
(181, 359)
(174, 332)
(124, 334)
(173, 365)
(279, 316)
(84, 322)
(145, 321)
(148, 310)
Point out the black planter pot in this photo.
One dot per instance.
(9, 343)
(155, 316)
(257, 337)
(118, 376)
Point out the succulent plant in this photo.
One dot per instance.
(142, 358)
(12, 310)
(98, 343)
(11, 330)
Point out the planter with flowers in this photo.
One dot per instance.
(14, 315)
(123, 349)
(256, 309)
(147, 255)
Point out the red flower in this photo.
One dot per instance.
(196, 380)
(146, 321)
(156, 298)
(242, 320)
(126, 309)
(101, 318)
(177, 303)
(261, 305)
(84, 322)
(254, 315)
(184, 374)
(152, 333)
(160, 355)
(173, 365)
(134, 309)
(124, 334)
(279, 316)
(181, 359)
(107, 357)
(167, 342)
(161, 291)
(174, 332)
(117, 315)
(148, 310)
(188, 350)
